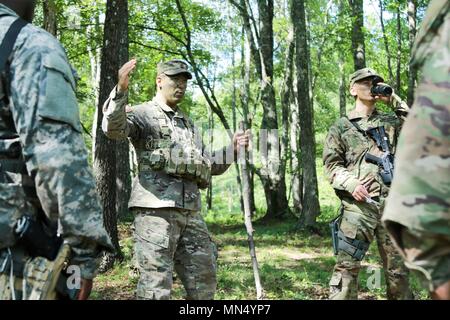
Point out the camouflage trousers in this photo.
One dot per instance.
(169, 239)
(361, 221)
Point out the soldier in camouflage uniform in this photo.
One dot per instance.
(358, 182)
(169, 230)
(44, 172)
(417, 213)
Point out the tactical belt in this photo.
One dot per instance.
(355, 248)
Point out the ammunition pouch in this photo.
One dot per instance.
(173, 160)
(43, 278)
(355, 248)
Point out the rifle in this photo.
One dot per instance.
(386, 161)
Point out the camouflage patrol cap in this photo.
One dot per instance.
(174, 67)
(362, 74)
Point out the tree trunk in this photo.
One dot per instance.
(341, 56)
(386, 44)
(358, 44)
(399, 51)
(294, 142)
(95, 67)
(50, 11)
(288, 107)
(233, 108)
(261, 49)
(342, 87)
(297, 176)
(274, 186)
(123, 181)
(311, 208)
(105, 157)
(412, 72)
(209, 192)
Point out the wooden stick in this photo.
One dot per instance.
(248, 219)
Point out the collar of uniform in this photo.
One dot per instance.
(168, 109)
(358, 115)
(163, 106)
(6, 10)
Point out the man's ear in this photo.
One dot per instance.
(158, 82)
(353, 91)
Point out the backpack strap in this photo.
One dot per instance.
(6, 48)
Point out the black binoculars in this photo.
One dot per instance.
(381, 90)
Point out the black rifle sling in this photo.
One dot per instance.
(8, 42)
(6, 48)
(357, 127)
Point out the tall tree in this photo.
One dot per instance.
(50, 11)
(386, 42)
(358, 42)
(290, 125)
(261, 41)
(311, 208)
(412, 72)
(342, 87)
(123, 181)
(245, 101)
(399, 48)
(209, 192)
(234, 101)
(341, 61)
(107, 151)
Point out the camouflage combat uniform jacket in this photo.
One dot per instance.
(43, 157)
(346, 146)
(419, 200)
(146, 125)
(422, 196)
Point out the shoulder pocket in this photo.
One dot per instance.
(58, 100)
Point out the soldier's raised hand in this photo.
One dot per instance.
(124, 75)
